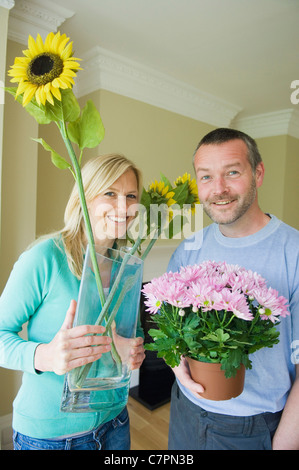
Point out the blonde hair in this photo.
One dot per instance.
(98, 174)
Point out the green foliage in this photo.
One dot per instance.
(66, 110)
(88, 130)
(213, 336)
(57, 160)
(84, 129)
(32, 108)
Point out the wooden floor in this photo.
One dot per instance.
(149, 429)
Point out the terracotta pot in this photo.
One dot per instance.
(212, 378)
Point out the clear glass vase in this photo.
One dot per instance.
(104, 384)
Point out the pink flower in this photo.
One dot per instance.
(200, 294)
(233, 301)
(165, 289)
(152, 303)
(273, 305)
(247, 281)
(175, 293)
(215, 285)
(189, 274)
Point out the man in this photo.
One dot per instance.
(229, 170)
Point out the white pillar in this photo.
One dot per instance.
(5, 6)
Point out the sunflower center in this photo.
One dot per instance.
(44, 68)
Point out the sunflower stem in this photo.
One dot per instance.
(89, 233)
(151, 243)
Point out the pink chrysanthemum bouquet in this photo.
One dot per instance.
(213, 312)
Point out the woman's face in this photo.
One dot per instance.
(112, 211)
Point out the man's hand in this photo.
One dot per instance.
(182, 372)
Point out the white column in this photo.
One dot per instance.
(5, 6)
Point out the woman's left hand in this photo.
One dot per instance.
(131, 350)
(137, 354)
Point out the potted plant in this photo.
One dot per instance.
(215, 315)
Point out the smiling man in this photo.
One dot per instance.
(229, 170)
(227, 183)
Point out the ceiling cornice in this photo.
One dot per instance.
(284, 122)
(8, 4)
(108, 71)
(30, 18)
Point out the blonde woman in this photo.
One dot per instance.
(42, 291)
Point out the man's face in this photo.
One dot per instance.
(226, 183)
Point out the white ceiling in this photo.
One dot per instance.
(244, 52)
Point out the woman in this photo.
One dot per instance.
(43, 285)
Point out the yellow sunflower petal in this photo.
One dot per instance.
(153, 186)
(67, 52)
(38, 96)
(21, 88)
(63, 41)
(61, 83)
(39, 44)
(21, 61)
(42, 95)
(18, 74)
(27, 53)
(164, 191)
(56, 93)
(69, 73)
(49, 98)
(55, 42)
(70, 64)
(169, 195)
(32, 46)
(48, 41)
(28, 94)
(170, 202)
(16, 79)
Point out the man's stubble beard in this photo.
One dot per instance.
(238, 212)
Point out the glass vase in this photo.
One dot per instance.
(104, 384)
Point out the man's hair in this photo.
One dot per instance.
(222, 134)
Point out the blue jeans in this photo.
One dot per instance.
(113, 435)
(193, 428)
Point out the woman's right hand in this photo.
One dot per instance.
(72, 346)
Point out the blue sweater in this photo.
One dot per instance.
(38, 293)
(272, 252)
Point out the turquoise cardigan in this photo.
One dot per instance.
(38, 292)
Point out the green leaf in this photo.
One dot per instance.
(32, 108)
(57, 160)
(155, 333)
(145, 198)
(191, 324)
(166, 182)
(219, 336)
(88, 130)
(181, 193)
(66, 110)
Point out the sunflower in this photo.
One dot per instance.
(160, 191)
(45, 69)
(192, 186)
